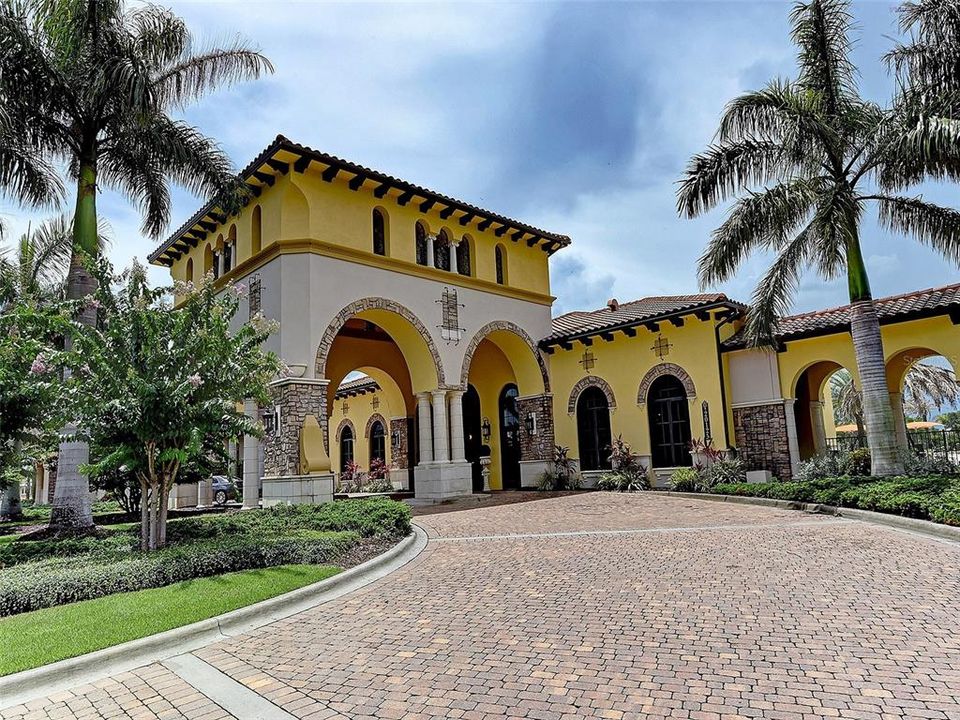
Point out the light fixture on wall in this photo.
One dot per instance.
(271, 419)
(395, 439)
(485, 429)
(531, 423)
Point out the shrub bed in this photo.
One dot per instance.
(926, 498)
(36, 585)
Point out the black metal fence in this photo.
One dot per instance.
(942, 443)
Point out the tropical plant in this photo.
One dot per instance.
(627, 473)
(820, 155)
(30, 389)
(562, 474)
(821, 466)
(157, 386)
(378, 469)
(352, 478)
(686, 480)
(726, 470)
(91, 84)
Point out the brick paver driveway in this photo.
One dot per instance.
(613, 606)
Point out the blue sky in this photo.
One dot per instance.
(576, 117)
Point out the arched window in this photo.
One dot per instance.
(501, 265)
(378, 442)
(669, 412)
(463, 256)
(346, 447)
(256, 231)
(229, 249)
(189, 275)
(441, 251)
(379, 232)
(208, 259)
(421, 244)
(593, 429)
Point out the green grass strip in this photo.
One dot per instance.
(45, 636)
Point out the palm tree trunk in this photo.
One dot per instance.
(71, 498)
(868, 350)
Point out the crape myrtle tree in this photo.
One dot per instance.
(30, 389)
(155, 386)
(90, 85)
(805, 159)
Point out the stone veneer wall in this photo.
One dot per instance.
(296, 399)
(539, 446)
(761, 435)
(399, 454)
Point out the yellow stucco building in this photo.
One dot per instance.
(417, 328)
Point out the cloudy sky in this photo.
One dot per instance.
(576, 117)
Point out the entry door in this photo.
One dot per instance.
(509, 438)
(473, 441)
(670, 423)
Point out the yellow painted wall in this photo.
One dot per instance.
(300, 206)
(623, 363)
(490, 372)
(360, 410)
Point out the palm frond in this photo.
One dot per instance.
(760, 220)
(774, 293)
(196, 75)
(725, 169)
(821, 30)
(933, 225)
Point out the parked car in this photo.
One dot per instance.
(224, 488)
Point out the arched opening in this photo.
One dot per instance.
(379, 232)
(189, 272)
(501, 265)
(823, 393)
(474, 445)
(207, 259)
(441, 251)
(593, 430)
(378, 442)
(669, 414)
(925, 399)
(346, 448)
(256, 231)
(509, 437)
(422, 247)
(464, 265)
(218, 257)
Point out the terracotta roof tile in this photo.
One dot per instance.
(584, 323)
(896, 308)
(362, 384)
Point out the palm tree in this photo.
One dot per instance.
(35, 269)
(91, 84)
(805, 159)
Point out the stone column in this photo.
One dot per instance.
(441, 444)
(296, 399)
(457, 447)
(430, 240)
(899, 420)
(819, 431)
(251, 461)
(426, 431)
(793, 439)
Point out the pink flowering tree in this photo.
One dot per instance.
(156, 387)
(30, 389)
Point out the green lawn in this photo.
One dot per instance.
(45, 636)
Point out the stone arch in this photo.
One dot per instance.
(345, 423)
(659, 371)
(583, 384)
(376, 417)
(375, 304)
(503, 326)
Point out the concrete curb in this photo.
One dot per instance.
(897, 522)
(28, 685)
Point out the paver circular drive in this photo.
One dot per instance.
(614, 606)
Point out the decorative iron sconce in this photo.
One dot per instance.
(485, 429)
(531, 424)
(395, 439)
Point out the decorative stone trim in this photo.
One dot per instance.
(507, 326)
(345, 423)
(658, 372)
(590, 381)
(371, 420)
(373, 303)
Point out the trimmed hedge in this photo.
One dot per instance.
(36, 585)
(926, 498)
(21, 551)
